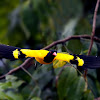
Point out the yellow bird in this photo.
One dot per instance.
(13, 53)
(47, 57)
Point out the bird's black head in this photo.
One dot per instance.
(50, 56)
(52, 53)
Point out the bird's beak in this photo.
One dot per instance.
(55, 54)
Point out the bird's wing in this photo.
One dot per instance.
(91, 62)
(10, 52)
(73, 59)
(6, 51)
(34, 53)
(64, 57)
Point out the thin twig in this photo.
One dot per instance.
(92, 34)
(94, 26)
(27, 63)
(29, 75)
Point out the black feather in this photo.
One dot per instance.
(91, 62)
(49, 57)
(7, 51)
(21, 55)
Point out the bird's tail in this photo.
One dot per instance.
(91, 62)
(7, 51)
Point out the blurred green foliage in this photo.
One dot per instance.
(35, 24)
(9, 89)
(73, 86)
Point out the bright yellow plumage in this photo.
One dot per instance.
(41, 54)
(64, 57)
(67, 57)
(38, 54)
(80, 61)
(34, 53)
(15, 53)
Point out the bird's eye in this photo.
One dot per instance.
(50, 51)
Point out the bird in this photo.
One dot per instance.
(47, 57)
(14, 53)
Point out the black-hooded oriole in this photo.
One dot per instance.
(47, 57)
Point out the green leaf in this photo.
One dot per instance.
(5, 96)
(66, 78)
(5, 85)
(14, 82)
(69, 28)
(75, 46)
(35, 92)
(11, 78)
(5, 8)
(77, 89)
(88, 95)
(70, 85)
(57, 63)
(79, 30)
(15, 96)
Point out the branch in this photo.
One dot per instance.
(70, 38)
(94, 25)
(97, 98)
(28, 62)
(93, 33)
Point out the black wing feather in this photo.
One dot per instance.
(7, 51)
(91, 62)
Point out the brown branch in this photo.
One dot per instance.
(70, 38)
(94, 25)
(93, 33)
(97, 98)
(28, 62)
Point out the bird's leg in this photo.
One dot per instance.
(36, 65)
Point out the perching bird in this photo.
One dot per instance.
(47, 57)
(13, 53)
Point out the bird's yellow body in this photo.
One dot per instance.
(34, 53)
(31, 53)
(40, 54)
